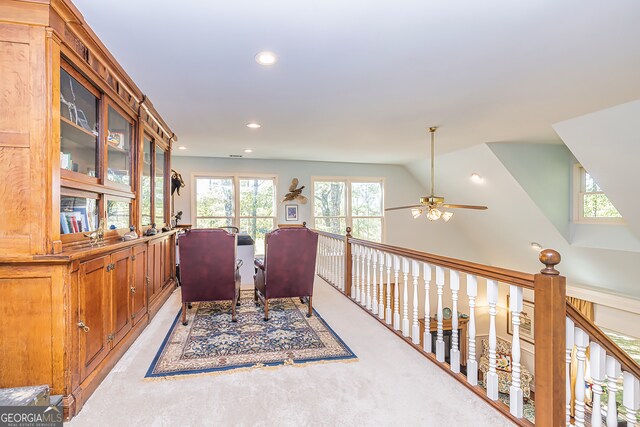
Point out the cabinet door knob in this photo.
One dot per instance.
(82, 326)
(133, 289)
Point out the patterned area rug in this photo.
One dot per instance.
(211, 342)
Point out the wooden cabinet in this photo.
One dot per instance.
(72, 137)
(120, 283)
(93, 314)
(138, 283)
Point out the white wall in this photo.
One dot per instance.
(401, 188)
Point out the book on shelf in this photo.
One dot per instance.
(64, 226)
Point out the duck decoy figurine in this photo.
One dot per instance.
(131, 234)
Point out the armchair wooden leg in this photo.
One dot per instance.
(184, 313)
(310, 307)
(266, 309)
(234, 304)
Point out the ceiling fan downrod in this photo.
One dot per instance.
(432, 130)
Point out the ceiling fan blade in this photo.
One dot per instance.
(404, 207)
(448, 205)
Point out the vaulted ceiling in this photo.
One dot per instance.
(360, 81)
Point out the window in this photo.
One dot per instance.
(339, 203)
(248, 203)
(591, 204)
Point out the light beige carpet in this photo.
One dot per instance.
(391, 385)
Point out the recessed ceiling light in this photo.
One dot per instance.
(182, 147)
(254, 125)
(266, 58)
(536, 246)
(248, 150)
(476, 178)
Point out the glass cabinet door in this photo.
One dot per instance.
(78, 126)
(118, 213)
(78, 214)
(119, 134)
(159, 186)
(145, 183)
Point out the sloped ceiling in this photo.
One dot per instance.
(504, 232)
(607, 144)
(360, 81)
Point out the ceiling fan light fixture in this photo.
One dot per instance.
(434, 214)
(446, 216)
(416, 213)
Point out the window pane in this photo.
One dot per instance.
(257, 228)
(118, 214)
(366, 199)
(145, 184)
(78, 214)
(332, 225)
(159, 186)
(367, 229)
(257, 197)
(599, 206)
(213, 222)
(78, 126)
(119, 148)
(214, 197)
(590, 184)
(329, 198)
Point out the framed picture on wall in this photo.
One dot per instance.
(291, 212)
(527, 325)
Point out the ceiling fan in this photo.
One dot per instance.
(433, 205)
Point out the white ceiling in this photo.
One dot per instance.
(359, 81)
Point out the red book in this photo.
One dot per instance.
(75, 224)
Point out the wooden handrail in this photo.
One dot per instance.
(595, 334)
(511, 277)
(332, 235)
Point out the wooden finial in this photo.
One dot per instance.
(304, 223)
(348, 231)
(550, 258)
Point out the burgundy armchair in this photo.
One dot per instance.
(289, 266)
(208, 268)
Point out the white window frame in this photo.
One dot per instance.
(235, 178)
(579, 191)
(348, 180)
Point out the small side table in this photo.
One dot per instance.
(446, 326)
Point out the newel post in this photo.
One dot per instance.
(550, 318)
(348, 265)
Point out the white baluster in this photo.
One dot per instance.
(332, 261)
(357, 252)
(405, 297)
(516, 402)
(388, 263)
(343, 279)
(336, 263)
(440, 336)
(396, 293)
(363, 288)
(472, 363)
(367, 302)
(598, 365)
(630, 397)
(415, 326)
(381, 297)
(492, 376)
(354, 268)
(426, 276)
(374, 289)
(454, 353)
(613, 372)
(569, 333)
(582, 342)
